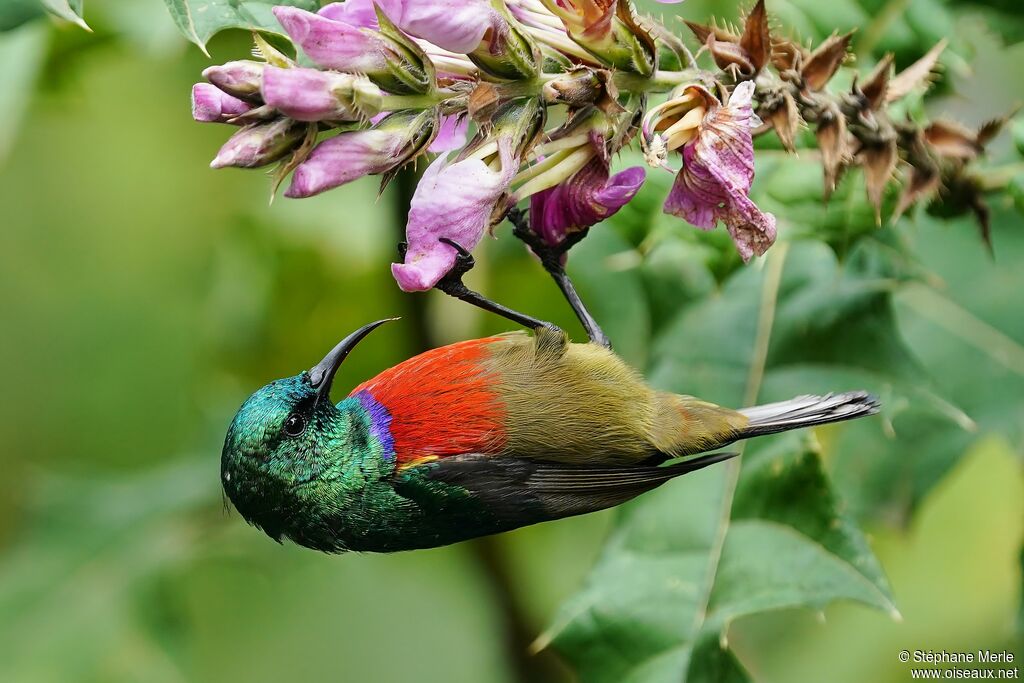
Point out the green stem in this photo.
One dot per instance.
(659, 81)
(424, 101)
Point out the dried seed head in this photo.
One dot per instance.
(917, 74)
(756, 40)
(778, 111)
(823, 63)
(875, 87)
(952, 140)
(834, 143)
(878, 162)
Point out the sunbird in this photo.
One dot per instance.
(476, 438)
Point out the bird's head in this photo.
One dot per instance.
(287, 452)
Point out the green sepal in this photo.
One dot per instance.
(411, 72)
(519, 59)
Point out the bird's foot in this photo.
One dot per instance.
(552, 258)
(452, 285)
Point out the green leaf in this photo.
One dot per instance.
(690, 557)
(69, 10)
(14, 13)
(200, 20)
(22, 52)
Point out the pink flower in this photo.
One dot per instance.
(453, 200)
(587, 198)
(310, 94)
(240, 78)
(359, 13)
(454, 25)
(210, 103)
(337, 37)
(260, 144)
(344, 158)
(352, 155)
(718, 170)
(451, 135)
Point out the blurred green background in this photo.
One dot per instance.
(144, 296)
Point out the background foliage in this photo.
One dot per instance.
(145, 296)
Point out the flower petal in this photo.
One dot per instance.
(333, 44)
(454, 25)
(358, 13)
(306, 94)
(453, 200)
(587, 198)
(259, 144)
(210, 103)
(451, 135)
(718, 170)
(344, 158)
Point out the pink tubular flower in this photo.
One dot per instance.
(359, 13)
(718, 170)
(337, 38)
(344, 158)
(454, 25)
(259, 144)
(240, 78)
(309, 94)
(453, 200)
(587, 198)
(352, 155)
(211, 104)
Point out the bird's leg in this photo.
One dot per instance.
(552, 260)
(452, 285)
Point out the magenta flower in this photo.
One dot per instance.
(451, 135)
(718, 170)
(453, 200)
(352, 155)
(309, 94)
(337, 37)
(240, 78)
(454, 25)
(344, 158)
(259, 144)
(587, 198)
(359, 13)
(211, 104)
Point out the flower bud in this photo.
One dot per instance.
(211, 104)
(505, 51)
(347, 37)
(352, 155)
(313, 95)
(260, 144)
(240, 78)
(607, 29)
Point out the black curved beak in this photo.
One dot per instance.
(322, 374)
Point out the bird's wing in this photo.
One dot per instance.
(511, 487)
(438, 404)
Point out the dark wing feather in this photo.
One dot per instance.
(512, 487)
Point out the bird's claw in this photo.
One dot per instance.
(464, 260)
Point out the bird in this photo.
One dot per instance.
(476, 438)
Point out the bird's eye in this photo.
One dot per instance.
(294, 424)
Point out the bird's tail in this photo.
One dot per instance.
(687, 425)
(807, 411)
